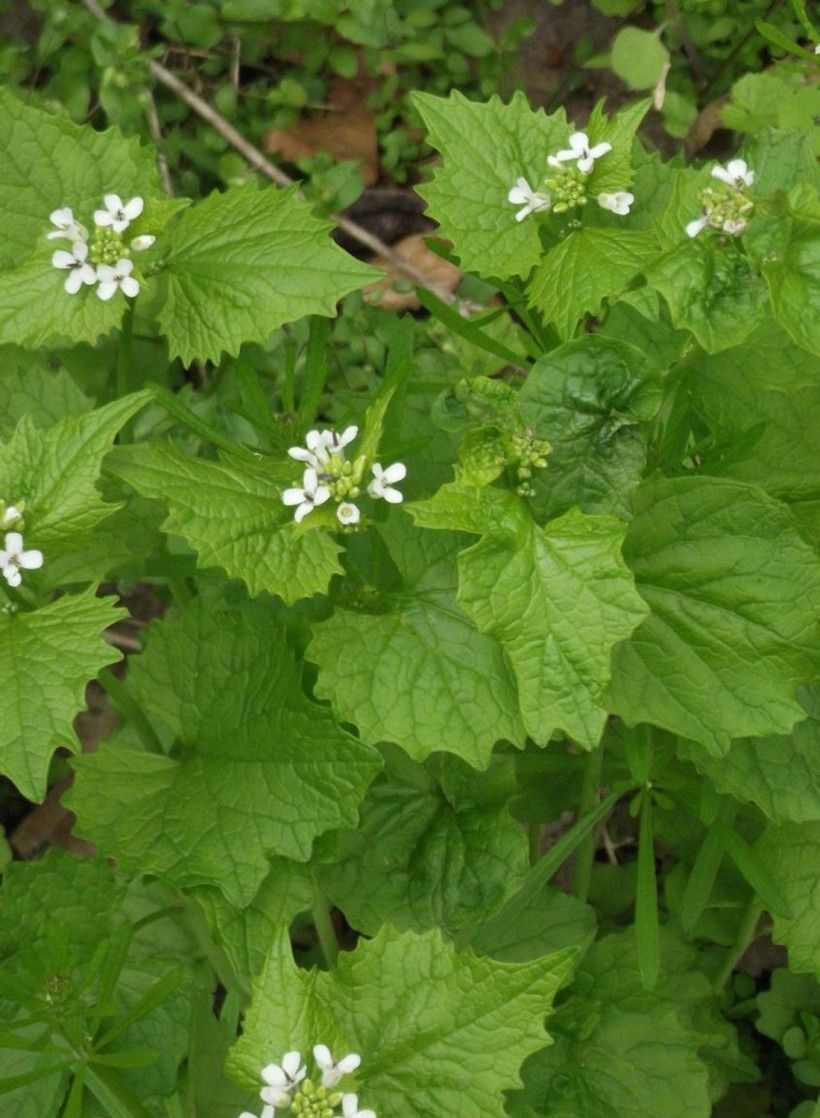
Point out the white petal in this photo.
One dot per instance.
(130, 287)
(274, 1075)
(124, 267)
(105, 273)
(523, 213)
(62, 217)
(303, 511)
(316, 439)
(103, 218)
(291, 1062)
(600, 149)
(133, 208)
(14, 545)
(737, 168)
(394, 473)
(321, 495)
(140, 244)
(694, 227)
(80, 250)
(293, 496)
(586, 163)
(347, 513)
(106, 290)
(561, 157)
(301, 455)
(579, 142)
(310, 479)
(74, 281)
(722, 174)
(275, 1096)
(12, 576)
(349, 1063)
(350, 1106)
(374, 490)
(347, 436)
(322, 1055)
(520, 193)
(63, 259)
(112, 202)
(267, 1112)
(88, 273)
(392, 496)
(31, 560)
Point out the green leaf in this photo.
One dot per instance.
(231, 513)
(588, 399)
(414, 670)
(794, 285)
(257, 769)
(486, 147)
(47, 162)
(647, 932)
(638, 57)
(780, 774)
(422, 1017)
(29, 386)
(711, 289)
(730, 584)
(761, 400)
(614, 170)
(437, 846)
(557, 598)
(588, 266)
(792, 852)
(244, 262)
(56, 472)
(534, 923)
(46, 658)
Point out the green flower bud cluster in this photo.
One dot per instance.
(725, 208)
(527, 454)
(107, 247)
(343, 478)
(568, 188)
(310, 1101)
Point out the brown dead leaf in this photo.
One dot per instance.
(414, 249)
(347, 129)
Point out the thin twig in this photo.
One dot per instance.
(258, 161)
(152, 117)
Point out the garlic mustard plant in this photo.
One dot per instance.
(522, 194)
(580, 152)
(287, 1086)
(618, 202)
(726, 208)
(103, 261)
(333, 1071)
(309, 496)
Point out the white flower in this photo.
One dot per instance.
(617, 203)
(522, 194)
(350, 1108)
(382, 481)
(80, 271)
(66, 226)
(140, 244)
(118, 214)
(307, 498)
(580, 151)
(332, 1072)
(734, 227)
(13, 559)
(736, 173)
(282, 1079)
(694, 227)
(111, 279)
(320, 445)
(267, 1112)
(348, 513)
(10, 516)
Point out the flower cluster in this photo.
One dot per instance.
(288, 1087)
(105, 260)
(328, 474)
(566, 184)
(727, 207)
(14, 559)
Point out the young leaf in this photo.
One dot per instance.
(47, 657)
(244, 262)
(257, 769)
(231, 513)
(422, 1017)
(486, 147)
(728, 580)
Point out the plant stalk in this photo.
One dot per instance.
(745, 934)
(582, 874)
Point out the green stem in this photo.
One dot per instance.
(315, 369)
(534, 838)
(323, 922)
(746, 932)
(125, 350)
(288, 396)
(586, 850)
(130, 709)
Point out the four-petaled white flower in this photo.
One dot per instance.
(580, 151)
(117, 278)
(67, 227)
(382, 481)
(307, 498)
(522, 194)
(348, 513)
(79, 270)
(118, 214)
(618, 203)
(282, 1079)
(320, 445)
(13, 559)
(332, 1072)
(350, 1108)
(736, 173)
(141, 243)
